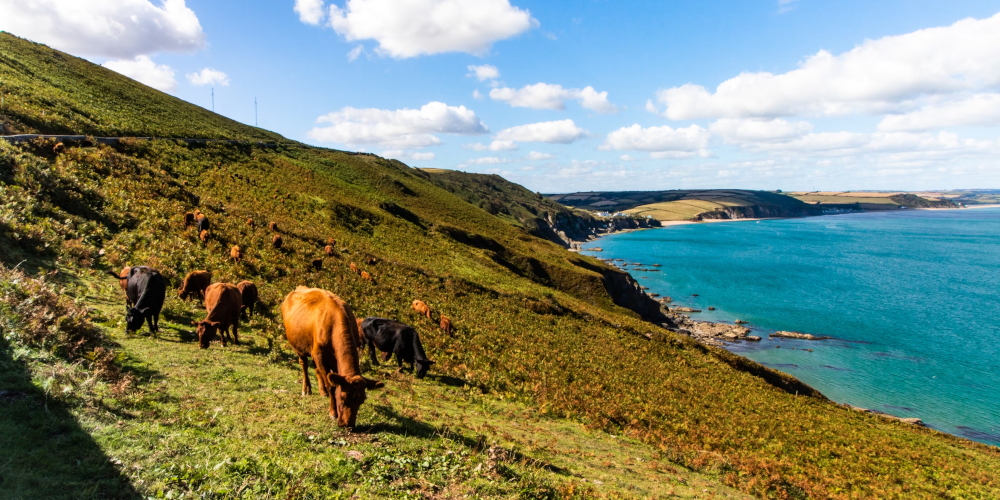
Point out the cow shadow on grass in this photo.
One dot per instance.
(45, 452)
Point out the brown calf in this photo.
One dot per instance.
(331, 241)
(123, 282)
(249, 292)
(366, 276)
(421, 308)
(236, 253)
(354, 268)
(223, 302)
(272, 226)
(321, 325)
(328, 250)
(276, 241)
(317, 264)
(195, 284)
(203, 235)
(250, 222)
(446, 324)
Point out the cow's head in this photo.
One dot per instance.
(134, 318)
(421, 366)
(206, 330)
(349, 396)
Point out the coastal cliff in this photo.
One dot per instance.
(759, 212)
(573, 229)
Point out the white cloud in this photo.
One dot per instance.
(877, 76)
(356, 52)
(736, 130)
(477, 95)
(208, 76)
(484, 72)
(786, 6)
(689, 140)
(144, 70)
(399, 129)
(494, 146)
(873, 147)
(400, 154)
(626, 158)
(560, 132)
(551, 96)
(310, 11)
(679, 155)
(489, 160)
(418, 27)
(121, 29)
(651, 108)
(535, 155)
(977, 110)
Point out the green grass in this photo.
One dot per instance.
(538, 342)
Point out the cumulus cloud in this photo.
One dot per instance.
(399, 129)
(976, 110)
(310, 11)
(535, 155)
(356, 52)
(942, 145)
(668, 142)
(494, 146)
(735, 130)
(879, 76)
(560, 132)
(550, 96)
(484, 72)
(121, 29)
(144, 70)
(402, 155)
(419, 27)
(489, 160)
(477, 95)
(208, 76)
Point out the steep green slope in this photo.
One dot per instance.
(47, 91)
(535, 324)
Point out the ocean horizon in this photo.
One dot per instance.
(909, 297)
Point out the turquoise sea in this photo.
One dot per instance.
(911, 297)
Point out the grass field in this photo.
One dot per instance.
(542, 360)
(684, 210)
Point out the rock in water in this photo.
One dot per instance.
(798, 335)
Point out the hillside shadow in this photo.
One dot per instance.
(46, 453)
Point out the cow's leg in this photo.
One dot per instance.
(149, 321)
(398, 351)
(236, 337)
(156, 321)
(321, 372)
(223, 331)
(371, 353)
(306, 386)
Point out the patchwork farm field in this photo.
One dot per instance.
(531, 393)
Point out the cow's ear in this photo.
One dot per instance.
(336, 379)
(371, 384)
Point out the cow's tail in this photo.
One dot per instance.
(116, 275)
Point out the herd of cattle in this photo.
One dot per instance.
(318, 324)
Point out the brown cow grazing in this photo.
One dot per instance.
(250, 222)
(249, 292)
(328, 250)
(123, 282)
(195, 284)
(321, 325)
(223, 302)
(421, 308)
(188, 219)
(317, 264)
(354, 268)
(276, 241)
(331, 241)
(272, 226)
(203, 235)
(236, 253)
(446, 324)
(365, 276)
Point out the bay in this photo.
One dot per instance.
(911, 297)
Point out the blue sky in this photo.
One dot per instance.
(591, 95)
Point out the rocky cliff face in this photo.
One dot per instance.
(627, 293)
(570, 230)
(759, 212)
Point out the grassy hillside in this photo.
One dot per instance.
(688, 204)
(526, 395)
(874, 200)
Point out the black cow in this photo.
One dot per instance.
(396, 338)
(147, 289)
(203, 224)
